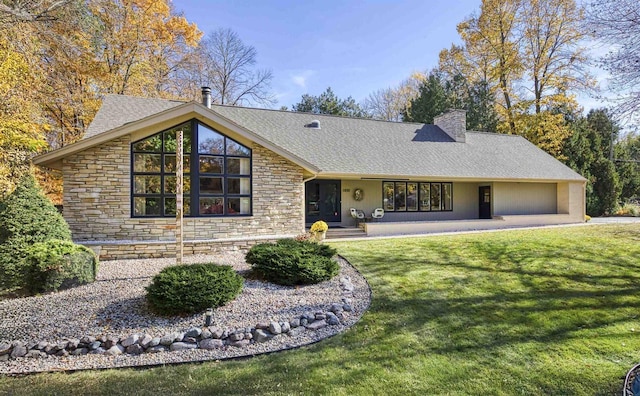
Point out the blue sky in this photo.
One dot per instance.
(355, 47)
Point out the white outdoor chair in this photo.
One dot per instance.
(377, 214)
(358, 215)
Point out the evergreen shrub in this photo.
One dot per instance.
(293, 262)
(57, 264)
(188, 289)
(26, 217)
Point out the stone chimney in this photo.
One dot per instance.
(454, 123)
(206, 96)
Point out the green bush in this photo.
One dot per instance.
(187, 289)
(57, 264)
(26, 217)
(291, 262)
(29, 216)
(308, 247)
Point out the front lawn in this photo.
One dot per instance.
(552, 311)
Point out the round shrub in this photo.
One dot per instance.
(308, 247)
(187, 289)
(291, 262)
(26, 217)
(57, 264)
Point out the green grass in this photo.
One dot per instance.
(552, 311)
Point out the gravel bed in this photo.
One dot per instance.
(115, 305)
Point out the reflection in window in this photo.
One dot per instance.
(217, 173)
(388, 195)
(153, 184)
(417, 196)
(425, 194)
(435, 196)
(209, 142)
(210, 206)
(401, 196)
(238, 166)
(446, 196)
(211, 185)
(412, 197)
(210, 164)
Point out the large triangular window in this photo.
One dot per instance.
(217, 174)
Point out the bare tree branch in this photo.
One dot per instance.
(29, 10)
(226, 64)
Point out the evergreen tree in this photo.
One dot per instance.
(587, 151)
(26, 217)
(627, 160)
(432, 100)
(440, 92)
(329, 103)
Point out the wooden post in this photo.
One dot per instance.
(179, 203)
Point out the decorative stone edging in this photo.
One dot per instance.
(629, 380)
(207, 338)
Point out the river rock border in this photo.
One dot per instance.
(194, 344)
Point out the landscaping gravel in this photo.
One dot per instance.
(114, 307)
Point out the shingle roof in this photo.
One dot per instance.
(118, 110)
(350, 146)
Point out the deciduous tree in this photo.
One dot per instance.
(617, 24)
(391, 104)
(527, 54)
(21, 128)
(227, 65)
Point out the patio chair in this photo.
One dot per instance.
(358, 215)
(377, 214)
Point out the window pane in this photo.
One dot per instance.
(238, 166)
(412, 196)
(146, 184)
(234, 148)
(145, 206)
(238, 185)
(435, 196)
(211, 185)
(401, 196)
(239, 206)
(170, 143)
(209, 141)
(387, 196)
(211, 164)
(170, 184)
(146, 162)
(170, 164)
(211, 205)
(153, 143)
(425, 193)
(447, 196)
(170, 206)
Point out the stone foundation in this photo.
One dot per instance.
(121, 250)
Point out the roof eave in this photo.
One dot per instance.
(53, 159)
(358, 176)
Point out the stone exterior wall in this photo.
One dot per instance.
(454, 123)
(154, 249)
(97, 200)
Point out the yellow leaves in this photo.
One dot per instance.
(17, 128)
(545, 129)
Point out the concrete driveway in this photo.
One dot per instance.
(614, 220)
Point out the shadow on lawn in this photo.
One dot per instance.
(494, 293)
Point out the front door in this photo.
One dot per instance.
(322, 201)
(485, 202)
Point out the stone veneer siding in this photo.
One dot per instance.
(97, 202)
